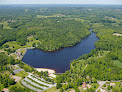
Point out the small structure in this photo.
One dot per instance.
(72, 90)
(84, 86)
(102, 90)
(18, 53)
(52, 75)
(112, 84)
(89, 86)
(5, 90)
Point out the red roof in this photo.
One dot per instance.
(84, 85)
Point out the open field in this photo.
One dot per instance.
(82, 20)
(56, 15)
(53, 89)
(22, 74)
(94, 85)
(16, 46)
(5, 25)
(118, 63)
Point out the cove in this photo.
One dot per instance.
(60, 60)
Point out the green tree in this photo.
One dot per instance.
(58, 85)
(109, 87)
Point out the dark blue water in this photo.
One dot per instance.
(60, 60)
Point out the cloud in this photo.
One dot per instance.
(60, 1)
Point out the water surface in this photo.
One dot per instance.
(60, 60)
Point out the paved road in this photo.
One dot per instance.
(101, 83)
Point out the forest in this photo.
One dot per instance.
(50, 28)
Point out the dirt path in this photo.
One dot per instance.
(85, 67)
(101, 83)
(117, 34)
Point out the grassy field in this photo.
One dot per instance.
(53, 89)
(13, 43)
(5, 25)
(22, 74)
(118, 86)
(16, 46)
(94, 85)
(17, 84)
(56, 15)
(82, 20)
(95, 25)
(5, 72)
(118, 63)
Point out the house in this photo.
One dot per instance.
(5, 90)
(112, 84)
(18, 53)
(84, 86)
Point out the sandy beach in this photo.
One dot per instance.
(117, 34)
(51, 71)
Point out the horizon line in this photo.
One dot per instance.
(62, 4)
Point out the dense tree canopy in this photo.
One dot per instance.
(51, 28)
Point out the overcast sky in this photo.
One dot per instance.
(60, 1)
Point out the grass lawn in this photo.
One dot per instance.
(5, 72)
(5, 25)
(1, 87)
(118, 86)
(13, 55)
(94, 86)
(17, 84)
(118, 63)
(41, 16)
(53, 89)
(16, 46)
(95, 25)
(13, 43)
(82, 20)
(22, 74)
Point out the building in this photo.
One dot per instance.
(89, 86)
(112, 84)
(84, 86)
(5, 90)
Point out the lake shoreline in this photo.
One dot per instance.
(46, 69)
(63, 47)
(59, 60)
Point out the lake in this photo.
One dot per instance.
(60, 60)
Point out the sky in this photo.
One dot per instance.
(60, 1)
